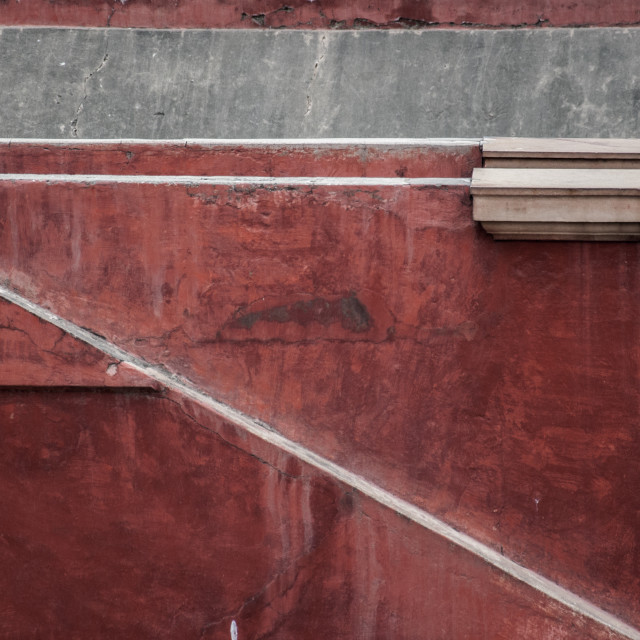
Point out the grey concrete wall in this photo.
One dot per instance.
(95, 83)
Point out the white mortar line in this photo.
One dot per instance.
(561, 595)
(283, 33)
(230, 180)
(252, 142)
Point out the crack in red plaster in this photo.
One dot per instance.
(231, 444)
(113, 10)
(407, 23)
(417, 24)
(462, 330)
(50, 351)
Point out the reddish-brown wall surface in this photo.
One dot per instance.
(494, 385)
(133, 515)
(34, 353)
(131, 511)
(413, 159)
(318, 14)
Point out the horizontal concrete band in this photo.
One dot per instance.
(564, 597)
(101, 83)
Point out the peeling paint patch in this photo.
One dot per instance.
(112, 369)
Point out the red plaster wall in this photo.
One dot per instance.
(318, 14)
(213, 159)
(494, 384)
(142, 516)
(35, 353)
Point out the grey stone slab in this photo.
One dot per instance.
(44, 74)
(94, 83)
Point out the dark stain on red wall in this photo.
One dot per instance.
(348, 311)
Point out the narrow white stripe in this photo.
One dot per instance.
(563, 596)
(230, 180)
(253, 142)
(283, 33)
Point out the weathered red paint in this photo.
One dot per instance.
(138, 516)
(496, 385)
(260, 159)
(34, 353)
(318, 14)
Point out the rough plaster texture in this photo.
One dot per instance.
(323, 14)
(94, 83)
(140, 516)
(402, 158)
(494, 385)
(163, 514)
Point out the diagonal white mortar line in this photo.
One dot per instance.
(561, 595)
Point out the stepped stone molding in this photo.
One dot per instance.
(557, 204)
(561, 153)
(555, 189)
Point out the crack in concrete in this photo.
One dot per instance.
(80, 109)
(322, 55)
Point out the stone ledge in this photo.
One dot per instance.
(561, 153)
(557, 204)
